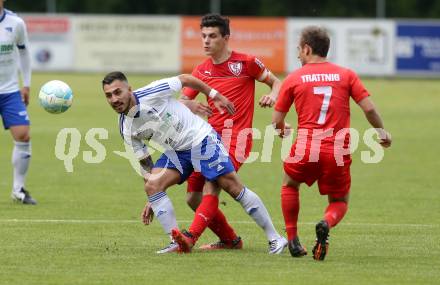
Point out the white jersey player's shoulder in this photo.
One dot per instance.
(10, 13)
(10, 16)
(166, 85)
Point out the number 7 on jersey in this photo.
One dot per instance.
(327, 92)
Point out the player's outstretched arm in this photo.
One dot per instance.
(220, 101)
(283, 128)
(275, 84)
(197, 108)
(375, 120)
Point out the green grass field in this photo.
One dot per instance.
(86, 227)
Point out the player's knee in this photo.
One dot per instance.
(151, 187)
(232, 185)
(23, 137)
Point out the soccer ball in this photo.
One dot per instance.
(55, 96)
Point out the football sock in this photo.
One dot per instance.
(255, 208)
(205, 212)
(163, 211)
(219, 225)
(335, 212)
(21, 156)
(290, 207)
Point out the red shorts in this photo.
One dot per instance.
(196, 180)
(332, 179)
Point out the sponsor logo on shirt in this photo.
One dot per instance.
(235, 67)
(9, 29)
(6, 48)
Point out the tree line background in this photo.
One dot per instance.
(312, 8)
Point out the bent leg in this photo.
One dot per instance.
(336, 209)
(206, 211)
(155, 187)
(250, 202)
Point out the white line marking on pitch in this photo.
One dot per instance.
(77, 221)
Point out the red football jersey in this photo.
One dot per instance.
(321, 93)
(235, 79)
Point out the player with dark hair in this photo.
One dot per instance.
(234, 75)
(320, 92)
(189, 142)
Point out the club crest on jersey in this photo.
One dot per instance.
(235, 67)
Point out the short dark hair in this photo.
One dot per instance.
(216, 20)
(317, 38)
(112, 76)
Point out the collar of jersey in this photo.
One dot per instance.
(2, 17)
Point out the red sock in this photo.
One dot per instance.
(206, 211)
(290, 207)
(335, 212)
(219, 225)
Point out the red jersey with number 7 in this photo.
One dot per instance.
(321, 93)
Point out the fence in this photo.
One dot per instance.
(172, 44)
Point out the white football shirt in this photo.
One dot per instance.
(12, 36)
(160, 117)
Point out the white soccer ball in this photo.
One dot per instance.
(55, 96)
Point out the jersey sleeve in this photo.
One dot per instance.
(285, 97)
(257, 69)
(21, 35)
(189, 92)
(357, 89)
(160, 90)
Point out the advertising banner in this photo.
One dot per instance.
(366, 46)
(127, 43)
(50, 42)
(418, 48)
(262, 37)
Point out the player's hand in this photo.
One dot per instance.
(267, 101)
(198, 108)
(385, 139)
(284, 133)
(25, 95)
(221, 103)
(147, 214)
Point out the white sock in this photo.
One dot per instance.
(255, 208)
(21, 156)
(163, 211)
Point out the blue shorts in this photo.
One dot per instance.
(209, 157)
(12, 110)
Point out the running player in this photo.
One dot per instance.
(234, 75)
(320, 92)
(190, 143)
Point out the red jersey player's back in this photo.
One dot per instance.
(321, 93)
